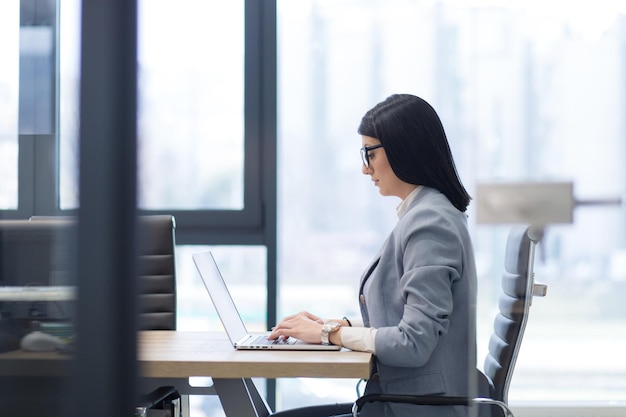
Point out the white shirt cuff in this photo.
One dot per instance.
(361, 339)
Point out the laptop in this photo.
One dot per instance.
(230, 317)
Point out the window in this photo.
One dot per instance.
(9, 96)
(190, 117)
(201, 151)
(244, 271)
(69, 84)
(191, 93)
(197, 155)
(526, 91)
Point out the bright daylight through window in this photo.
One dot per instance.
(9, 95)
(513, 82)
(527, 90)
(190, 120)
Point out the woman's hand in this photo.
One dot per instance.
(304, 326)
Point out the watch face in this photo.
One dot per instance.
(331, 326)
(327, 328)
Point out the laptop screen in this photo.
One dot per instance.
(223, 302)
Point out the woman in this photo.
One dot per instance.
(417, 297)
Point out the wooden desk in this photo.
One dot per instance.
(180, 355)
(185, 354)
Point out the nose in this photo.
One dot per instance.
(365, 169)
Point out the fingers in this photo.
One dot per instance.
(283, 328)
(275, 334)
(303, 326)
(281, 332)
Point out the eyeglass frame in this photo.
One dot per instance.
(365, 156)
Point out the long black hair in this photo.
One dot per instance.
(416, 145)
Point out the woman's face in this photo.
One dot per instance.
(381, 173)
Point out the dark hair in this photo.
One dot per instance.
(416, 145)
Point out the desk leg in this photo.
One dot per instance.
(240, 398)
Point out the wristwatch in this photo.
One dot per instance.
(328, 328)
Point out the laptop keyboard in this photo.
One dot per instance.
(263, 340)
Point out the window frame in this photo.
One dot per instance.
(255, 224)
(38, 165)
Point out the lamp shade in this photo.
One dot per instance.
(535, 203)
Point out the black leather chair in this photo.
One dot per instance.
(518, 289)
(157, 273)
(157, 269)
(157, 297)
(157, 291)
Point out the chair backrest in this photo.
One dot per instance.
(518, 289)
(157, 269)
(157, 272)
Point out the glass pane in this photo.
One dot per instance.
(69, 84)
(513, 85)
(191, 104)
(244, 269)
(190, 116)
(37, 301)
(9, 102)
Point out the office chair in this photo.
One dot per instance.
(157, 269)
(157, 273)
(157, 289)
(157, 296)
(518, 289)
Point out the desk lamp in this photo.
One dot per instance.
(534, 203)
(537, 204)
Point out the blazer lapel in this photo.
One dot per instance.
(363, 307)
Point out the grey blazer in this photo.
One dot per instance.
(420, 293)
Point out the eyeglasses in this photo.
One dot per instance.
(365, 153)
